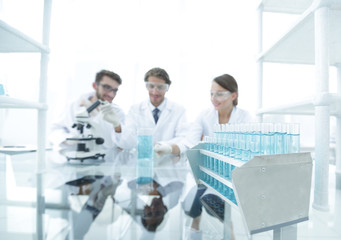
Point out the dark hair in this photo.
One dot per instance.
(159, 73)
(152, 227)
(107, 73)
(229, 83)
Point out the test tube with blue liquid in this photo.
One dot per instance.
(248, 137)
(237, 142)
(279, 135)
(255, 139)
(267, 139)
(211, 159)
(216, 147)
(231, 141)
(242, 142)
(207, 148)
(293, 138)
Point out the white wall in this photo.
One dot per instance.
(194, 40)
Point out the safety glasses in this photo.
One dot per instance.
(161, 87)
(220, 95)
(108, 89)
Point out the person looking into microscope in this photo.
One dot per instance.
(107, 117)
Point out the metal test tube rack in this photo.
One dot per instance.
(272, 191)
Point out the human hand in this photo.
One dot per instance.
(162, 148)
(109, 114)
(86, 104)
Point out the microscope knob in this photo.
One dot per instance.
(99, 141)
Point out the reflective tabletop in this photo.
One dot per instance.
(105, 199)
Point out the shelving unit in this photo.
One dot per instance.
(13, 41)
(315, 39)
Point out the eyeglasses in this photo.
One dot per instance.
(107, 88)
(161, 87)
(220, 95)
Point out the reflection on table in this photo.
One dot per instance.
(106, 200)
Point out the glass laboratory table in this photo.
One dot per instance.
(105, 199)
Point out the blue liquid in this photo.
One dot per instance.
(294, 143)
(232, 144)
(215, 183)
(216, 166)
(211, 159)
(206, 158)
(279, 143)
(267, 143)
(237, 145)
(145, 164)
(255, 144)
(2, 89)
(232, 167)
(144, 180)
(233, 197)
(145, 147)
(226, 192)
(227, 171)
(220, 187)
(210, 180)
(221, 168)
(248, 139)
(144, 170)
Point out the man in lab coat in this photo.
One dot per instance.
(107, 117)
(166, 118)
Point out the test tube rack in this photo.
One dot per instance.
(270, 191)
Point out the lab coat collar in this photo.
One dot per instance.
(164, 105)
(232, 117)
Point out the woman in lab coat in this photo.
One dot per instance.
(224, 98)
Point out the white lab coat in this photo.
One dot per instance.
(170, 128)
(204, 124)
(62, 127)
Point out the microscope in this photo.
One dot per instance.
(88, 146)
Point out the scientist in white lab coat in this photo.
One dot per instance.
(167, 118)
(107, 117)
(224, 98)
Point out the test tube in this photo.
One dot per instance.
(267, 139)
(279, 136)
(293, 138)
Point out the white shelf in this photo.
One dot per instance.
(287, 6)
(314, 39)
(297, 45)
(13, 40)
(8, 102)
(304, 107)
